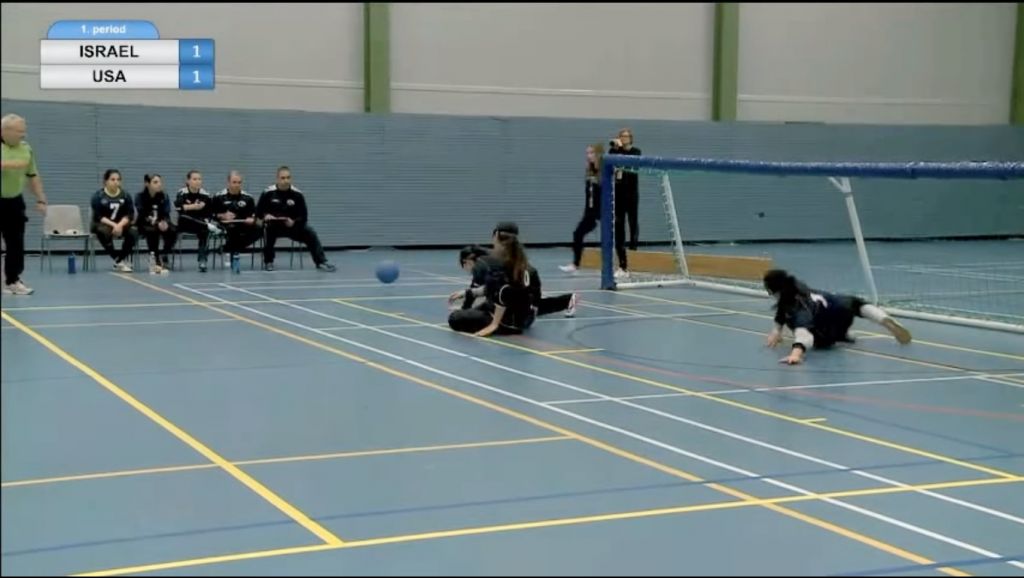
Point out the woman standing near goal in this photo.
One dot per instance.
(591, 208)
(819, 319)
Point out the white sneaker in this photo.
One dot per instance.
(570, 311)
(621, 274)
(570, 268)
(122, 267)
(18, 288)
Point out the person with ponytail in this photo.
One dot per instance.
(502, 278)
(819, 319)
(467, 298)
(591, 207)
(154, 221)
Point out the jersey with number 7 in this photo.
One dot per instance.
(113, 207)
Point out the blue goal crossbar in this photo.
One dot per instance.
(912, 170)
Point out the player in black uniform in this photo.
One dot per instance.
(473, 296)
(566, 302)
(627, 201)
(819, 319)
(502, 280)
(112, 214)
(194, 213)
(235, 211)
(282, 208)
(154, 221)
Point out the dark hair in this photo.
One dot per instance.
(787, 287)
(514, 254)
(473, 252)
(283, 168)
(506, 227)
(192, 172)
(109, 173)
(148, 178)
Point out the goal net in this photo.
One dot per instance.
(936, 241)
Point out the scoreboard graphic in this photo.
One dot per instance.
(122, 54)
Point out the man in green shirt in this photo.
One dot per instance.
(19, 165)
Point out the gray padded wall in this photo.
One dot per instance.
(441, 180)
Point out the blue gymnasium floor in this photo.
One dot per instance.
(304, 423)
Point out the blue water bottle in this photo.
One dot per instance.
(72, 265)
(236, 263)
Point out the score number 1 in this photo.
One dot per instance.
(195, 60)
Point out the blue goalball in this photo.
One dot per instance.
(387, 271)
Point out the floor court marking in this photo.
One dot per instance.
(674, 449)
(778, 388)
(760, 316)
(707, 305)
(311, 280)
(823, 524)
(733, 435)
(707, 427)
(285, 459)
(259, 489)
(123, 323)
(375, 284)
(411, 325)
(519, 526)
(702, 395)
(101, 306)
(645, 314)
(870, 353)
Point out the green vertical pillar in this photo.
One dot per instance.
(376, 57)
(726, 61)
(1017, 95)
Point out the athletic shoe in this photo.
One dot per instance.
(570, 268)
(898, 331)
(122, 267)
(570, 311)
(326, 267)
(18, 288)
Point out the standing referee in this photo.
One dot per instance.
(19, 165)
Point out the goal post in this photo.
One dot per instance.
(964, 294)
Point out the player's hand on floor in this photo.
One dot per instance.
(795, 357)
(774, 338)
(486, 331)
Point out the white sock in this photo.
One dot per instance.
(873, 313)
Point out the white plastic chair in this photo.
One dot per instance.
(64, 223)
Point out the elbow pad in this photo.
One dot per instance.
(804, 338)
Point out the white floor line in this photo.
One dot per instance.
(634, 435)
(792, 387)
